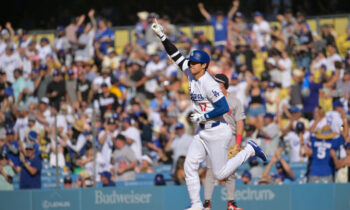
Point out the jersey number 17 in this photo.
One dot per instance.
(203, 106)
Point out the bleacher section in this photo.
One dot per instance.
(48, 176)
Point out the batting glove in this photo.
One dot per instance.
(197, 118)
(158, 29)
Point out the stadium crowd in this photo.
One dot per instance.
(55, 96)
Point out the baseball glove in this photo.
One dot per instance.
(232, 151)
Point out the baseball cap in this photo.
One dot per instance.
(259, 14)
(67, 180)
(239, 15)
(347, 145)
(255, 78)
(246, 174)
(44, 100)
(116, 116)
(147, 158)
(221, 78)
(60, 28)
(234, 76)
(110, 50)
(56, 73)
(272, 84)
(44, 39)
(70, 72)
(104, 84)
(114, 80)
(106, 174)
(269, 115)
(142, 15)
(44, 66)
(3, 154)
(32, 135)
(127, 119)
(200, 32)
(30, 145)
(179, 126)
(279, 165)
(295, 109)
(337, 103)
(111, 120)
(159, 179)
(10, 132)
(253, 160)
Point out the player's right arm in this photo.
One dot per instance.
(170, 48)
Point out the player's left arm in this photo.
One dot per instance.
(170, 48)
(221, 107)
(239, 117)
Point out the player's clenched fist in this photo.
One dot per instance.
(158, 29)
(197, 118)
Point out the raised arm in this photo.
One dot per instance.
(203, 11)
(233, 9)
(170, 48)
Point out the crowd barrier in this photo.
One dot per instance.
(271, 197)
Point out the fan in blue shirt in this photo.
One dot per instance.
(219, 22)
(322, 167)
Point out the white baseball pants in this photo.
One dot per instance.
(214, 142)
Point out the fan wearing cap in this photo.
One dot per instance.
(104, 35)
(179, 142)
(9, 61)
(21, 122)
(270, 133)
(44, 49)
(312, 100)
(261, 28)
(219, 22)
(124, 160)
(322, 167)
(295, 139)
(77, 143)
(105, 137)
(30, 172)
(246, 177)
(106, 179)
(56, 89)
(71, 86)
(145, 165)
(105, 101)
(67, 182)
(6, 172)
(154, 72)
(235, 119)
(12, 147)
(61, 42)
(342, 165)
(284, 170)
(133, 136)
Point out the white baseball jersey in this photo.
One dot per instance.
(204, 92)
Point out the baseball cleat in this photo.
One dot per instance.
(207, 205)
(231, 205)
(258, 151)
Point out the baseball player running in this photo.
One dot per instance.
(213, 135)
(235, 119)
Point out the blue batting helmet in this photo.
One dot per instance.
(200, 57)
(300, 127)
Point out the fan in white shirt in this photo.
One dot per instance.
(133, 137)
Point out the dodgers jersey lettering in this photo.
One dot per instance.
(204, 92)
